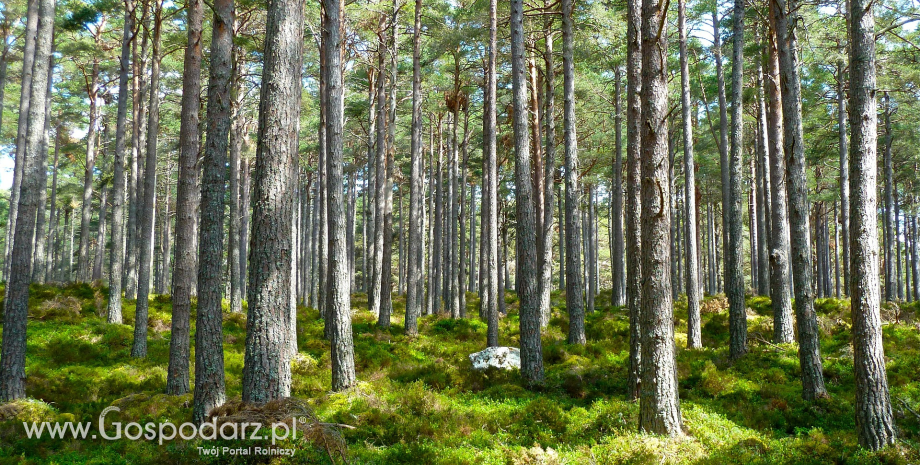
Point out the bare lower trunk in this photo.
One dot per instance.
(633, 200)
(874, 422)
(15, 311)
(187, 192)
(574, 281)
(148, 209)
(796, 190)
(267, 370)
(780, 279)
(692, 289)
(415, 286)
(531, 345)
(734, 279)
(659, 407)
(343, 362)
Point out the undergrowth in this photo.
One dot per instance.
(418, 401)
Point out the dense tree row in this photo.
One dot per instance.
(302, 153)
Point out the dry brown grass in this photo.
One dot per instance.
(291, 411)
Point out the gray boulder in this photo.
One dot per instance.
(502, 358)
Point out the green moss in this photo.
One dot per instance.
(419, 402)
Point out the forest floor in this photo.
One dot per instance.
(419, 402)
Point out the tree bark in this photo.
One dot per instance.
(116, 260)
(780, 279)
(490, 184)
(267, 370)
(694, 339)
(343, 362)
(633, 187)
(531, 345)
(874, 422)
(618, 292)
(15, 311)
(889, 207)
(177, 378)
(844, 174)
(796, 190)
(92, 90)
(148, 209)
(574, 281)
(659, 407)
(734, 279)
(25, 96)
(416, 287)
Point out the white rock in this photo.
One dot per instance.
(503, 358)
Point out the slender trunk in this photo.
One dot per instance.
(53, 236)
(416, 286)
(844, 175)
(531, 345)
(616, 210)
(694, 339)
(889, 207)
(575, 289)
(780, 279)
(237, 128)
(549, 173)
(83, 261)
(343, 362)
(38, 265)
(187, 191)
(375, 297)
(494, 294)
(28, 59)
(734, 279)
(116, 260)
(633, 185)
(147, 214)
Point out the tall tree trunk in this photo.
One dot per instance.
(694, 339)
(659, 407)
(25, 95)
(633, 199)
(245, 199)
(116, 260)
(780, 279)
(267, 370)
(343, 359)
(549, 173)
(874, 422)
(796, 190)
(416, 286)
(92, 88)
(844, 174)
(734, 279)
(493, 290)
(138, 139)
(574, 281)
(148, 209)
(101, 244)
(889, 206)
(375, 296)
(53, 236)
(15, 308)
(618, 292)
(722, 145)
(38, 265)
(764, 189)
(187, 191)
(237, 128)
(531, 345)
